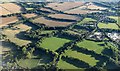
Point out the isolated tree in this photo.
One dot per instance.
(24, 50)
(32, 50)
(28, 55)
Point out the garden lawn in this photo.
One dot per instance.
(108, 26)
(86, 58)
(86, 20)
(91, 45)
(53, 43)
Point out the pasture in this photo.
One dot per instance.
(53, 43)
(86, 20)
(108, 25)
(91, 45)
(84, 57)
(64, 65)
(28, 63)
(116, 18)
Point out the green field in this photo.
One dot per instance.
(108, 26)
(46, 31)
(64, 65)
(28, 63)
(53, 43)
(91, 45)
(116, 18)
(86, 20)
(86, 58)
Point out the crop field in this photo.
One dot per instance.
(86, 58)
(11, 7)
(91, 45)
(64, 6)
(84, 9)
(79, 11)
(94, 7)
(64, 16)
(86, 20)
(51, 23)
(17, 36)
(4, 11)
(108, 26)
(52, 43)
(8, 20)
(30, 15)
(47, 10)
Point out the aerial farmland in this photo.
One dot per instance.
(60, 35)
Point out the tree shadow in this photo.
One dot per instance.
(33, 26)
(99, 57)
(21, 35)
(108, 52)
(75, 62)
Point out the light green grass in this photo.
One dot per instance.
(91, 45)
(29, 8)
(46, 32)
(108, 26)
(28, 63)
(86, 58)
(86, 20)
(64, 65)
(116, 18)
(53, 43)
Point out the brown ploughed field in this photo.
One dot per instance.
(51, 23)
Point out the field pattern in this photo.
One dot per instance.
(60, 35)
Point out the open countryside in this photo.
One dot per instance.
(60, 35)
